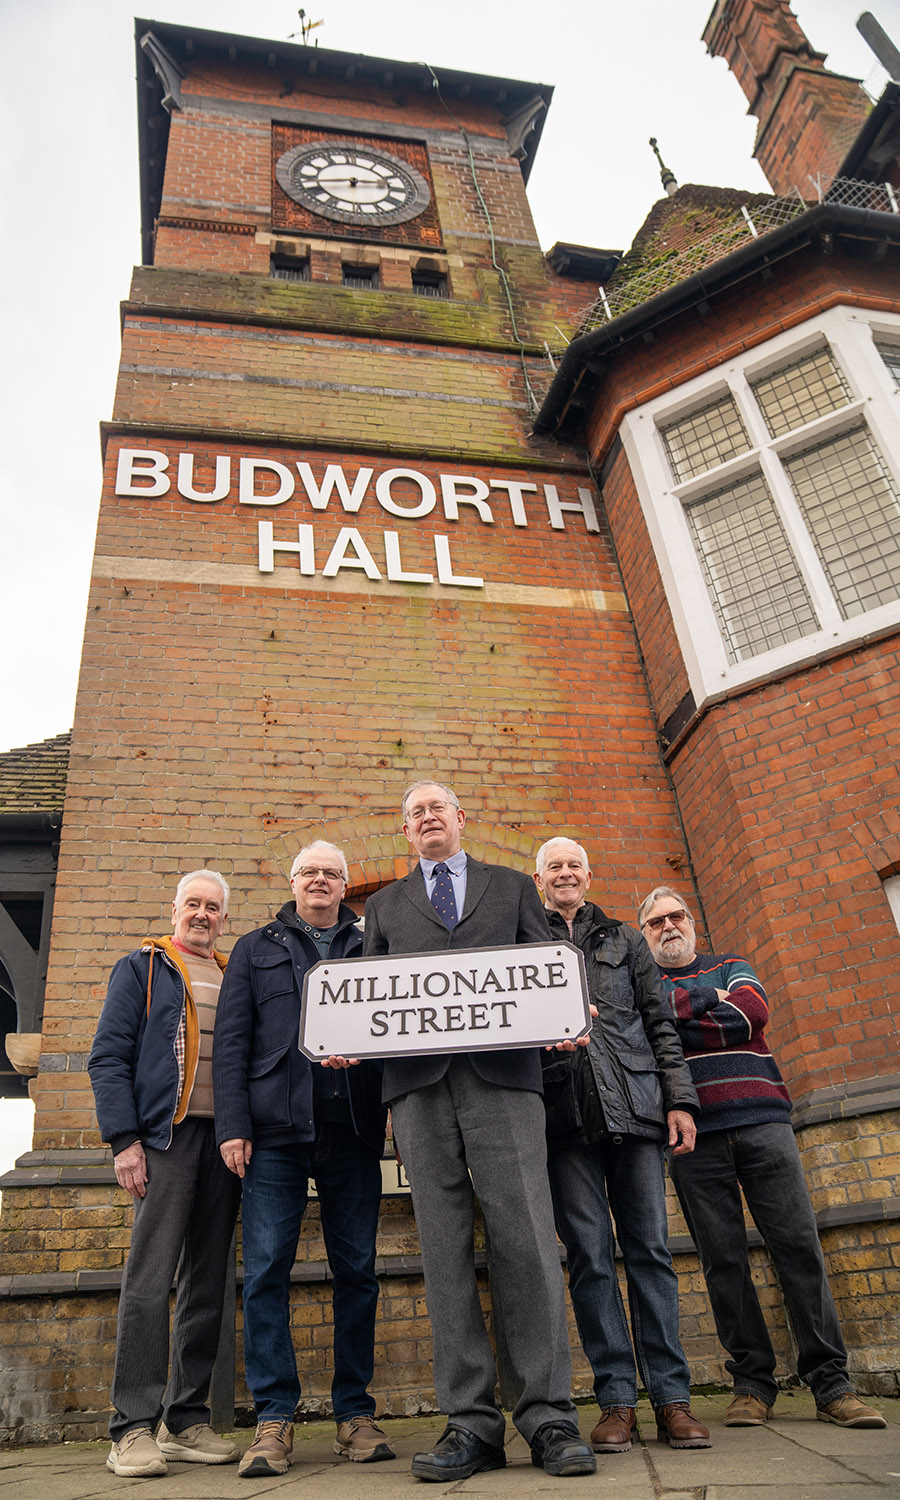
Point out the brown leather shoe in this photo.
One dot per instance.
(612, 1433)
(677, 1426)
(746, 1410)
(849, 1411)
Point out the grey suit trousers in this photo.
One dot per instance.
(186, 1220)
(462, 1124)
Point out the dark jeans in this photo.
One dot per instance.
(348, 1182)
(628, 1179)
(765, 1162)
(188, 1211)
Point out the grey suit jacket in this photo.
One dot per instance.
(502, 907)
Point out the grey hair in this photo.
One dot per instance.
(447, 791)
(657, 895)
(212, 875)
(321, 844)
(558, 838)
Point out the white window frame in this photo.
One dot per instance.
(875, 402)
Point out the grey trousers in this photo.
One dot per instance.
(189, 1211)
(456, 1126)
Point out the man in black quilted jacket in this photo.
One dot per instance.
(611, 1110)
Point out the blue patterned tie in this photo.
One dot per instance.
(442, 897)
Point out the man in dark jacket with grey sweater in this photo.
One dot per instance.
(279, 1121)
(151, 1072)
(610, 1111)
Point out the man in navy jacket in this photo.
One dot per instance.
(280, 1121)
(150, 1068)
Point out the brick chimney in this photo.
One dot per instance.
(808, 117)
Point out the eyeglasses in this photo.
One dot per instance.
(675, 917)
(416, 814)
(309, 871)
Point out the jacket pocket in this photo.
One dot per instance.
(613, 972)
(273, 974)
(561, 1103)
(641, 1081)
(269, 1087)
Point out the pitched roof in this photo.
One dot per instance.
(33, 777)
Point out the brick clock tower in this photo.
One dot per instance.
(331, 555)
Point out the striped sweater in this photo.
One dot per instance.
(735, 1075)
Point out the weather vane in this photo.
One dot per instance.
(305, 28)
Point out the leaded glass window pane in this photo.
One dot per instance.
(800, 392)
(851, 505)
(890, 353)
(705, 439)
(756, 588)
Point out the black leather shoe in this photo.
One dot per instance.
(558, 1448)
(458, 1454)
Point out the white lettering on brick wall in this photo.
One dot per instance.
(407, 493)
(350, 551)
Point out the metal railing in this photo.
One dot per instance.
(750, 222)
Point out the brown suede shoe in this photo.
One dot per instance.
(677, 1426)
(746, 1410)
(360, 1440)
(849, 1411)
(270, 1451)
(612, 1433)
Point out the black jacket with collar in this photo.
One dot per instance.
(633, 1071)
(262, 1082)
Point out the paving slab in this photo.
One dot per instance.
(794, 1457)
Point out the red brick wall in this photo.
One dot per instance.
(771, 786)
(775, 785)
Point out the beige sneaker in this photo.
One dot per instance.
(270, 1451)
(362, 1441)
(197, 1445)
(849, 1411)
(746, 1410)
(136, 1456)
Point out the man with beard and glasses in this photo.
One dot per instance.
(745, 1140)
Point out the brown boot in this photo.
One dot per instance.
(677, 1426)
(849, 1411)
(746, 1410)
(612, 1433)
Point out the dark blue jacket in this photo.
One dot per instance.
(262, 1083)
(133, 1067)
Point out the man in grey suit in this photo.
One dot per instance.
(471, 1124)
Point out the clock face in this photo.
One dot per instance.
(345, 181)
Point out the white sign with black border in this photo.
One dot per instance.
(455, 1000)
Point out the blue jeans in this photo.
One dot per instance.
(348, 1182)
(628, 1179)
(765, 1162)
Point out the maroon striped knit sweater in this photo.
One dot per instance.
(735, 1075)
